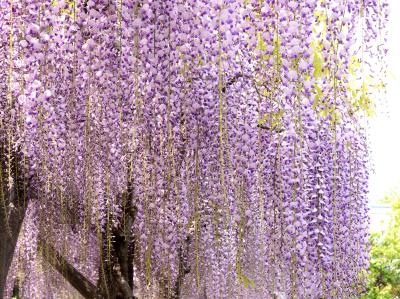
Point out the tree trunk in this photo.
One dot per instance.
(10, 225)
(116, 274)
(13, 204)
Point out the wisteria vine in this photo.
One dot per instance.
(237, 126)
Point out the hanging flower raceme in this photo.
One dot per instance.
(234, 129)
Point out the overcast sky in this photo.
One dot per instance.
(385, 127)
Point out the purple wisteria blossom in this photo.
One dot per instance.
(227, 126)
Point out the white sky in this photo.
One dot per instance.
(385, 127)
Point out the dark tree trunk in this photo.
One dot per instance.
(116, 272)
(116, 268)
(174, 290)
(10, 225)
(13, 205)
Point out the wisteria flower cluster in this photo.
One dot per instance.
(234, 126)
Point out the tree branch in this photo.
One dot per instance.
(73, 276)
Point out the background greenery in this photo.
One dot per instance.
(384, 275)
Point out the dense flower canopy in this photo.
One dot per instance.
(235, 127)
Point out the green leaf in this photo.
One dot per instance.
(318, 64)
(318, 95)
(243, 279)
(384, 270)
(354, 65)
(261, 45)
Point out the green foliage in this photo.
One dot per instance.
(242, 278)
(384, 277)
(318, 63)
(272, 120)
